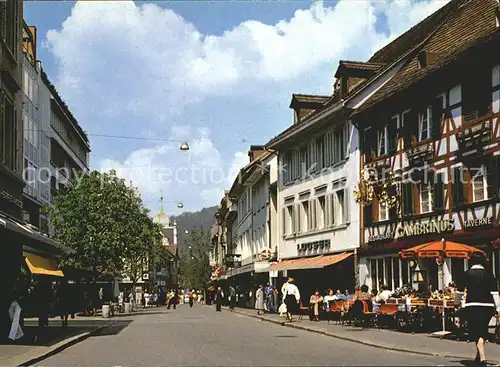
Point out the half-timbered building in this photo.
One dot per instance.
(432, 134)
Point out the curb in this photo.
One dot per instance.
(353, 340)
(59, 347)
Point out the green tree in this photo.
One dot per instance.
(104, 221)
(194, 267)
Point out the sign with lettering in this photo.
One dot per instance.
(324, 244)
(419, 229)
(478, 222)
(380, 237)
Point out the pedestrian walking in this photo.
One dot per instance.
(63, 301)
(291, 297)
(269, 293)
(259, 300)
(191, 298)
(232, 298)
(219, 295)
(481, 300)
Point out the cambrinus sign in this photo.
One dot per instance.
(419, 229)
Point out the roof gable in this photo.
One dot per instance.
(448, 40)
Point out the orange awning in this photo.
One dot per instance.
(316, 262)
(41, 265)
(440, 248)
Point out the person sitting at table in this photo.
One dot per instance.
(330, 297)
(375, 303)
(339, 295)
(364, 295)
(314, 303)
(384, 294)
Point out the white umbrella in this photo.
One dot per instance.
(116, 289)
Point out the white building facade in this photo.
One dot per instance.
(252, 224)
(318, 166)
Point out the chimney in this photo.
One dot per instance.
(255, 151)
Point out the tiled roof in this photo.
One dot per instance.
(451, 39)
(387, 55)
(358, 65)
(415, 35)
(309, 99)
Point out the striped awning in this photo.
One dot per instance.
(316, 262)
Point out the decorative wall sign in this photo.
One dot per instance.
(481, 222)
(419, 229)
(324, 244)
(381, 237)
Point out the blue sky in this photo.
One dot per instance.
(218, 74)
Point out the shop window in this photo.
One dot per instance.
(380, 273)
(395, 271)
(388, 272)
(373, 273)
(405, 272)
(457, 269)
(479, 184)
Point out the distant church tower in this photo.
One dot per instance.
(169, 230)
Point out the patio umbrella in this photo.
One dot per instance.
(442, 248)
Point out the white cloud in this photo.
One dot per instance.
(169, 62)
(135, 62)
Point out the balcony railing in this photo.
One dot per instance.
(420, 153)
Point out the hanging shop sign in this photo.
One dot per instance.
(324, 244)
(419, 229)
(482, 222)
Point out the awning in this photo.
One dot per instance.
(41, 265)
(317, 262)
(31, 232)
(440, 248)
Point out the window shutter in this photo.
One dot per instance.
(436, 116)
(492, 176)
(347, 217)
(368, 215)
(347, 144)
(411, 127)
(439, 193)
(315, 213)
(283, 221)
(365, 145)
(392, 137)
(333, 207)
(458, 187)
(408, 199)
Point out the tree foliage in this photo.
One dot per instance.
(104, 221)
(194, 267)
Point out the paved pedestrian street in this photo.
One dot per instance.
(200, 336)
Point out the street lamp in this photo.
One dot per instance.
(184, 146)
(180, 205)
